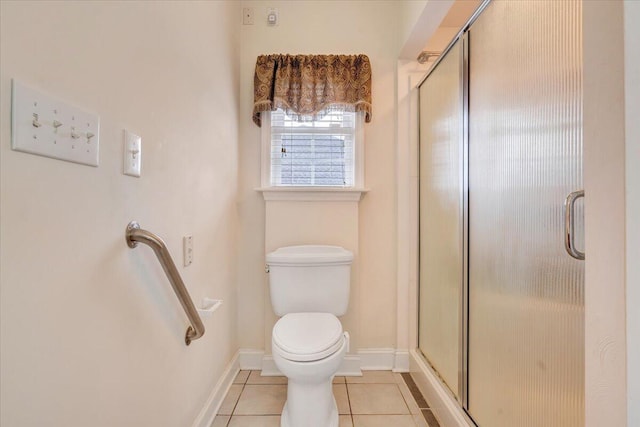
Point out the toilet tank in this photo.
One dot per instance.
(311, 278)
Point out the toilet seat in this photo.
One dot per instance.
(307, 337)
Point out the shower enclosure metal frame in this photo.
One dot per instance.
(463, 37)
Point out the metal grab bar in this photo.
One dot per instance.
(135, 235)
(569, 225)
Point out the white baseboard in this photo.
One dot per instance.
(367, 359)
(443, 405)
(211, 406)
(401, 362)
(250, 359)
(377, 359)
(269, 368)
(350, 366)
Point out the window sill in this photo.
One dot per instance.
(309, 194)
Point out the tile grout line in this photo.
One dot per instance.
(346, 387)
(233, 411)
(404, 399)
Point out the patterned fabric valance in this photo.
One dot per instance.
(305, 85)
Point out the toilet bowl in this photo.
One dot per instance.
(309, 287)
(308, 348)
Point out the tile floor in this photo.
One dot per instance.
(377, 399)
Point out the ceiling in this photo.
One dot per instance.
(453, 21)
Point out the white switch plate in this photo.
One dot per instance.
(47, 126)
(187, 244)
(132, 154)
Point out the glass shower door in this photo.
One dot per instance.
(526, 294)
(441, 219)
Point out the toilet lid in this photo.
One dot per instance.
(305, 337)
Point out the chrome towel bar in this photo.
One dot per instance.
(135, 235)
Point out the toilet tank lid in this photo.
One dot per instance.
(309, 254)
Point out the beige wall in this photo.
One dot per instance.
(317, 27)
(409, 14)
(632, 112)
(91, 332)
(604, 186)
(419, 20)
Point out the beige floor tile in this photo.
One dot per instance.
(241, 378)
(261, 400)
(220, 421)
(383, 421)
(253, 421)
(376, 399)
(256, 378)
(397, 376)
(342, 399)
(339, 380)
(230, 400)
(420, 421)
(373, 377)
(345, 421)
(408, 398)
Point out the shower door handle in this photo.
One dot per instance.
(569, 224)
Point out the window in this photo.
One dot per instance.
(323, 152)
(306, 154)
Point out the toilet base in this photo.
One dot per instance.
(310, 415)
(310, 400)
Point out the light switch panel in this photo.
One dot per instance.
(132, 154)
(47, 126)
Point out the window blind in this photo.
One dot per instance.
(317, 152)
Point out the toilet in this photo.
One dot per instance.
(309, 287)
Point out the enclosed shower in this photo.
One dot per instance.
(501, 280)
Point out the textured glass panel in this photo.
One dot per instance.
(440, 217)
(526, 294)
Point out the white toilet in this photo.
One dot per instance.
(309, 287)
